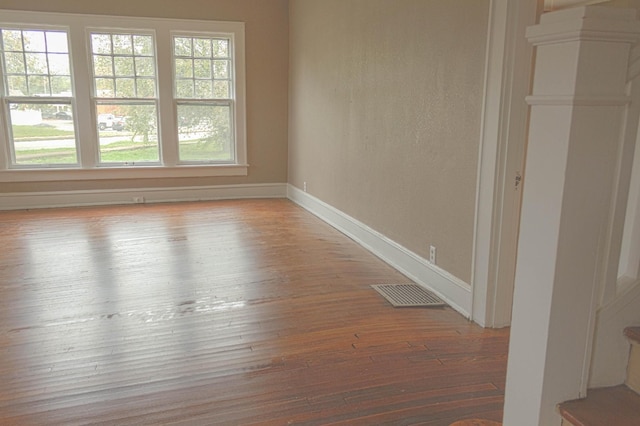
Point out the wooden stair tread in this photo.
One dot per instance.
(633, 333)
(617, 405)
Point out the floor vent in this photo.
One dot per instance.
(408, 295)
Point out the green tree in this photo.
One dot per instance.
(141, 120)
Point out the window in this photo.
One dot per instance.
(203, 87)
(125, 97)
(95, 97)
(37, 88)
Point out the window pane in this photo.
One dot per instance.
(38, 85)
(60, 86)
(122, 44)
(143, 45)
(184, 88)
(17, 85)
(43, 134)
(102, 65)
(221, 89)
(36, 63)
(204, 133)
(221, 69)
(123, 66)
(125, 88)
(57, 42)
(204, 89)
(202, 68)
(145, 67)
(184, 68)
(34, 41)
(105, 88)
(202, 48)
(59, 64)
(101, 43)
(220, 48)
(128, 133)
(146, 87)
(15, 63)
(182, 46)
(12, 40)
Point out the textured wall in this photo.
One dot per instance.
(266, 26)
(384, 116)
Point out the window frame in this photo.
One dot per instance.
(79, 27)
(97, 100)
(212, 101)
(9, 146)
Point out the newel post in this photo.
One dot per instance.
(577, 112)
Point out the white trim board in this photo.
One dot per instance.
(452, 290)
(37, 200)
(610, 352)
(508, 66)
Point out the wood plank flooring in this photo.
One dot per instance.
(229, 312)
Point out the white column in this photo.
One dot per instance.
(577, 111)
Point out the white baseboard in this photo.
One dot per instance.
(452, 290)
(37, 200)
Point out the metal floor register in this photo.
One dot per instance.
(408, 295)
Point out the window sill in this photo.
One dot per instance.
(126, 172)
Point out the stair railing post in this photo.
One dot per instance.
(577, 116)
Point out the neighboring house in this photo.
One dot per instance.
(26, 117)
(404, 124)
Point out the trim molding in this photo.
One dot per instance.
(550, 5)
(570, 100)
(610, 348)
(124, 172)
(38, 200)
(452, 290)
(585, 23)
(503, 133)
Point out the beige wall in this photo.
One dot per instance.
(384, 116)
(267, 67)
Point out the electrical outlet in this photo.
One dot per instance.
(304, 186)
(138, 200)
(432, 254)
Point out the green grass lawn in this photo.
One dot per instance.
(120, 152)
(198, 151)
(38, 132)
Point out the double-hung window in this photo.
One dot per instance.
(125, 96)
(203, 87)
(38, 87)
(86, 97)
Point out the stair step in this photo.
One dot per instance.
(617, 405)
(633, 334)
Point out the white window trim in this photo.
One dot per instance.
(194, 101)
(78, 26)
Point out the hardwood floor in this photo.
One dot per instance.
(229, 312)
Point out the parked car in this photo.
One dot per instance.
(63, 115)
(119, 123)
(105, 121)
